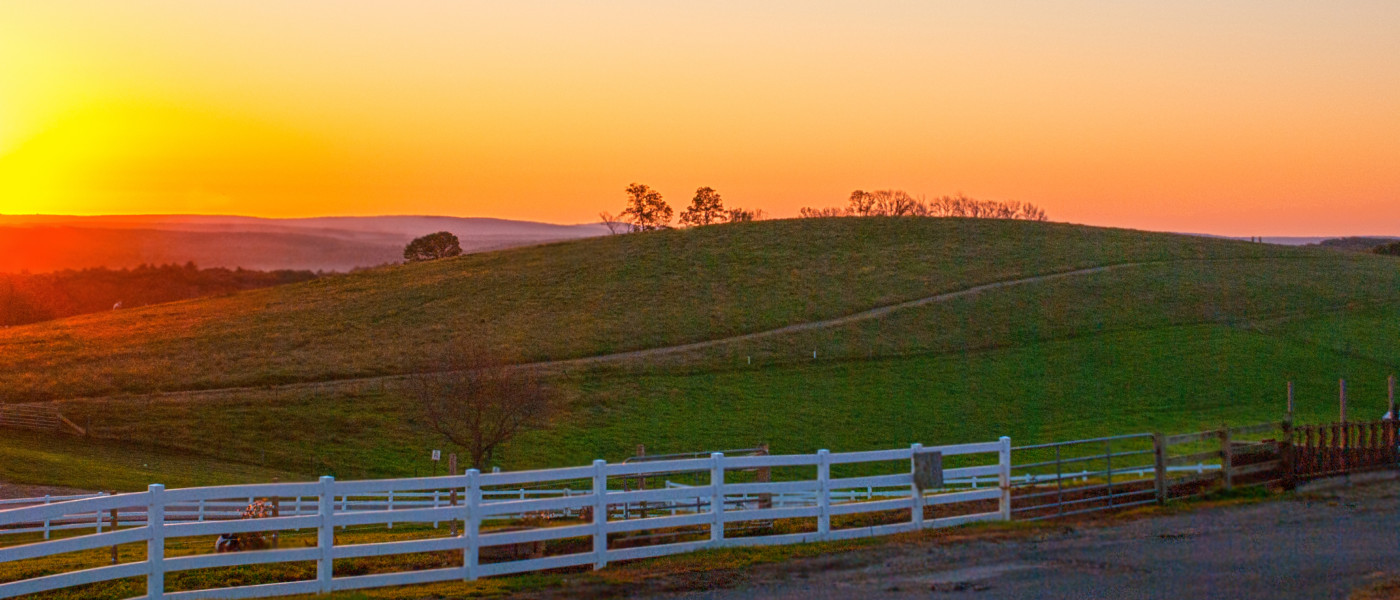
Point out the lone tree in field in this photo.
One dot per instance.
(432, 247)
(478, 402)
(646, 211)
(705, 209)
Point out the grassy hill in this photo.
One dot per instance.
(569, 300)
(1183, 332)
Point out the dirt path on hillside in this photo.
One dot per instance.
(588, 361)
(1320, 545)
(874, 313)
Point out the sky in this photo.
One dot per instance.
(1268, 117)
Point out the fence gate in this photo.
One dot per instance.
(1082, 476)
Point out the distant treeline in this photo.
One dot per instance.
(898, 203)
(1377, 245)
(26, 298)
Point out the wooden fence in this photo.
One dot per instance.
(1321, 450)
(1064, 479)
(716, 508)
(36, 417)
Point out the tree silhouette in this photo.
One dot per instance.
(646, 211)
(432, 247)
(897, 203)
(705, 208)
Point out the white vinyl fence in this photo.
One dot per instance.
(204, 510)
(708, 507)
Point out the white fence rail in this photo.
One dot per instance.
(233, 509)
(166, 516)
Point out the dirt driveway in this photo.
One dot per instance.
(1324, 544)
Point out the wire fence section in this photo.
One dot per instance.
(608, 521)
(1080, 476)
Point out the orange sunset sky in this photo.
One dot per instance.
(1241, 118)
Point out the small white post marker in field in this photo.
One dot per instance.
(1290, 402)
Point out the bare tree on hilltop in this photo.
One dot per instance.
(614, 223)
(742, 215)
(898, 203)
(817, 213)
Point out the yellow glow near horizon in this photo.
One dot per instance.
(1245, 118)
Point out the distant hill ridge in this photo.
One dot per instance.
(45, 243)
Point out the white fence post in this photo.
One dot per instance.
(717, 497)
(600, 514)
(391, 507)
(916, 495)
(47, 500)
(471, 528)
(436, 504)
(1004, 473)
(155, 543)
(325, 535)
(823, 493)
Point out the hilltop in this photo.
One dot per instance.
(1078, 331)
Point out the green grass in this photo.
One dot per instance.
(1206, 331)
(1172, 379)
(565, 300)
(108, 465)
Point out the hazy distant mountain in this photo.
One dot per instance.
(42, 243)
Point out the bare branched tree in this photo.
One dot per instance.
(897, 203)
(614, 223)
(817, 213)
(479, 402)
(744, 215)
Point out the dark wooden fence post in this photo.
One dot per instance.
(1335, 449)
(1392, 437)
(1226, 459)
(764, 475)
(1373, 445)
(1305, 461)
(276, 512)
(1288, 458)
(116, 521)
(452, 469)
(1159, 466)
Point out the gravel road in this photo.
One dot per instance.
(1320, 545)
